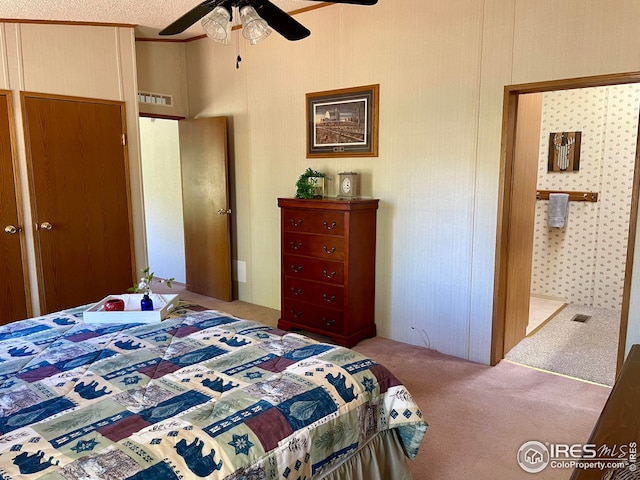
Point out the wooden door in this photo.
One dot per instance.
(13, 285)
(522, 218)
(80, 198)
(205, 196)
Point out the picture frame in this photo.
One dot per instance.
(343, 122)
(564, 152)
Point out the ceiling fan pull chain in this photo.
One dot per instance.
(238, 58)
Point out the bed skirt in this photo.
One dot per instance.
(382, 458)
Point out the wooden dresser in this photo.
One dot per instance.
(328, 267)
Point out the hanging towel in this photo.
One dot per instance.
(558, 210)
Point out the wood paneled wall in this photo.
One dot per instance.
(442, 68)
(89, 61)
(162, 70)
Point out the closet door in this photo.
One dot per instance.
(13, 296)
(80, 198)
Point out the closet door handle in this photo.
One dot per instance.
(46, 226)
(11, 229)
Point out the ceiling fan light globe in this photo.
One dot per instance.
(254, 28)
(217, 25)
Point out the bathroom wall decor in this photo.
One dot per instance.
(564, 151)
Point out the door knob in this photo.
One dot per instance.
(10, 229)
(224, 211)
(46, 226)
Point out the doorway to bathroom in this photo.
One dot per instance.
(586, 265)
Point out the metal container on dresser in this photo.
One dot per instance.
(328, 267)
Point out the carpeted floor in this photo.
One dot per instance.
(478, 416)
(582, 350)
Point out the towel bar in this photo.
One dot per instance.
(573, 196)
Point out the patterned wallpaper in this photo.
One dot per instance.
(584, 262)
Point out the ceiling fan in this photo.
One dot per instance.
(256, 17)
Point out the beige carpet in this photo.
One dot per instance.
(478, 416)
(582, 350)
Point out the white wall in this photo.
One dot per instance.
(162, 182)
(442, 67)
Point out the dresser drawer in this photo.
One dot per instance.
(320, 246)
(294, 220)
(305, 314)
(321, 294)
(313, 269)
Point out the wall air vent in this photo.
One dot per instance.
(155, 99)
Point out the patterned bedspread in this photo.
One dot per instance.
(201, 395)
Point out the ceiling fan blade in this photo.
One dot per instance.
(355, 2)
(280, 21)
(189, 18)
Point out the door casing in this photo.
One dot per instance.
(502, 325)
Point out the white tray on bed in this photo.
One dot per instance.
(163, 304)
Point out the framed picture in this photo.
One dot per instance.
(564, 151)
(343, 123)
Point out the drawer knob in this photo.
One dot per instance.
(296, 223)
(328, 299)
(296, 246)
(296, 315)
(328, 250)
(295, 269)
(329, 227)
(296, 292)
(328, 323)
(327, 274)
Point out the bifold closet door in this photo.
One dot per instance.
(13, 293)
(80, 198)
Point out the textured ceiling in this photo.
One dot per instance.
(150, 16)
